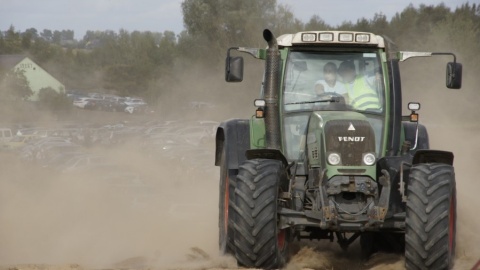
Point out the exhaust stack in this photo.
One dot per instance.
(271, 88)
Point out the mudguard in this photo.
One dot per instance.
(410, 130)
(267, 154)
(433, 156)
(234, 136)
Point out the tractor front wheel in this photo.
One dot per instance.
(430, 232)
(259, 242)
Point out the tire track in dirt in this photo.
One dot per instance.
(54, 223)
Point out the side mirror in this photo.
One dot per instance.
(234, 69)
(454, 75)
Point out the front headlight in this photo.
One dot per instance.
(369, 159)
(334, 159)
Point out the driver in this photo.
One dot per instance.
(329, 84)
(361, 95)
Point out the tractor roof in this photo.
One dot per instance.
(329, 38)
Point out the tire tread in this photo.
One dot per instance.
(430, 190)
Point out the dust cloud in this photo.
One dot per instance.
(52, 221)
(51, 218)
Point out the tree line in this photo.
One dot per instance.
(147, 64)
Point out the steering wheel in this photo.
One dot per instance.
(335, 101)
(339, 98)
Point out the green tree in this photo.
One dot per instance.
(459, 32)
(148, 64)
(219, 24)
(52, 100)
(32, 32)
(167, 49)
(379, 24)
(43, 51)
(29, 36)
(11, 42)
(284, 21)
(47, 35)
(412, 25)
(57, 37)
(316, 23)
(15, 86)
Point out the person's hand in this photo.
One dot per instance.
(319, 89)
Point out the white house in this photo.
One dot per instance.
(37, 77)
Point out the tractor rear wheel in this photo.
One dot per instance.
(259, 242)
(225, 209)
(430, 232)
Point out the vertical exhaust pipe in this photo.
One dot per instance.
(271, 91)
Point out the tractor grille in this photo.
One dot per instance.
(350, 139)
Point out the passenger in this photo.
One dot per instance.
(361, 95)
(329, 84)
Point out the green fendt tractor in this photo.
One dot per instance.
(328, 155)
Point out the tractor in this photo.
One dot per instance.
(342, 164)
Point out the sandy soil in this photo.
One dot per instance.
(62, 223)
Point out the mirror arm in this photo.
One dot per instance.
(454, 59)
(404, 55)
(446, 53)
(252, 51)
(255, 52)
(231, 48)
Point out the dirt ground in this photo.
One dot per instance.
(54, 222)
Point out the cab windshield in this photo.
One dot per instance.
(334, 81)
(330, 81)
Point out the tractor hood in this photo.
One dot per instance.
(341, 142)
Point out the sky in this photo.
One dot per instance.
(162, 15)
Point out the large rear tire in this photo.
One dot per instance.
(430, 232)
(225, 209)
(259, 242)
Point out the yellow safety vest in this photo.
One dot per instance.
(361, 95)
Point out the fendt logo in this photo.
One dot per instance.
(351, 139)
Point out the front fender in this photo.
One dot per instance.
(433, 156)
(233, 137)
